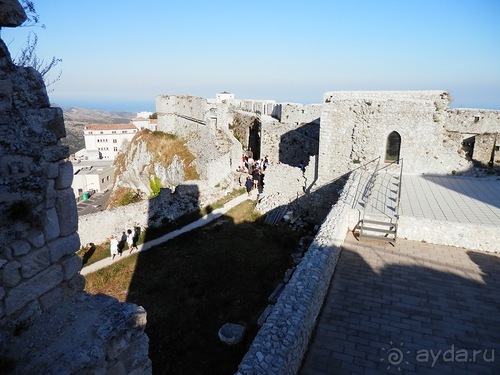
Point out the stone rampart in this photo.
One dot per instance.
(262, 107)
(48, 324)
(292, 113)
(283, 339)
(355, 127)
(197, 121)
(167, 206)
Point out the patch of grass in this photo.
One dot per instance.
(123, 196)
(195, 283)
(92, 254)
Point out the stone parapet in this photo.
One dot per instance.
(283, 339)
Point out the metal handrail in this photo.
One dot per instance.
(359, 181)
(399, 190)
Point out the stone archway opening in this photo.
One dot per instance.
(393, 147)
(468, 147)
(254, 138)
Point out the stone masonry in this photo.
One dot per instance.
(355, 127)
(48, 324)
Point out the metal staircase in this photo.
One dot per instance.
(380, 202)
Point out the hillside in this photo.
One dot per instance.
(76, 118)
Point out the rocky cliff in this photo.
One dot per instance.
(154, 160)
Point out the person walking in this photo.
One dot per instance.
(255, 177)
(249, 184)
(130, 241)
(113, 246)
(121, 243)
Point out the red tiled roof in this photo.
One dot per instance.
(110, 126)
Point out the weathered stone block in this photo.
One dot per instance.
(5, 94)
(118, 369)
(67, 212)
(29, 314)
(30, 290)
(36, 238)
(136, 356)
(64, 246)
(20, 247)
(55, 153)
(47, 121)
(6, 253)
(76, 283)
(11, 275)
(35, 262)
(65, 178)
(51, 170)
(12, 13)
(126, 323)
(51, 224)
(51, 194)
(231, 333)
(71, 265)
(52, 298)
(29, 89)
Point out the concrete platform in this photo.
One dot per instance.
(416, 307)
(454, 199)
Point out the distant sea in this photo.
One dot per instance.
(134, 107)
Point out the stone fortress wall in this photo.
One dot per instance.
(194, 119)
(355, 127)
(48, 324)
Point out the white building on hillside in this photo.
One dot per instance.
(92, 176)
(107, 139)
(143, 121)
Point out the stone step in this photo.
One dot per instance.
(378, 238)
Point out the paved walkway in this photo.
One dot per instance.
(412, 308)
(416, 307)
(148, 245)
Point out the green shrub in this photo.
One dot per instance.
(155, 185)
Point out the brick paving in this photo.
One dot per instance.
(409, 308)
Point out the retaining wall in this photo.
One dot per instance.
(283, 339)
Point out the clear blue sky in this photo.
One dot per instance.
(121, 54)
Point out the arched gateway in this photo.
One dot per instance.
(393, 147)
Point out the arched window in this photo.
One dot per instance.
(393, 147)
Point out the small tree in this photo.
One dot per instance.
(27, 56)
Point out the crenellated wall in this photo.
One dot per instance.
(39, 270)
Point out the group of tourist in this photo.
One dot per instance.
(128, 237)
(255, 170)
